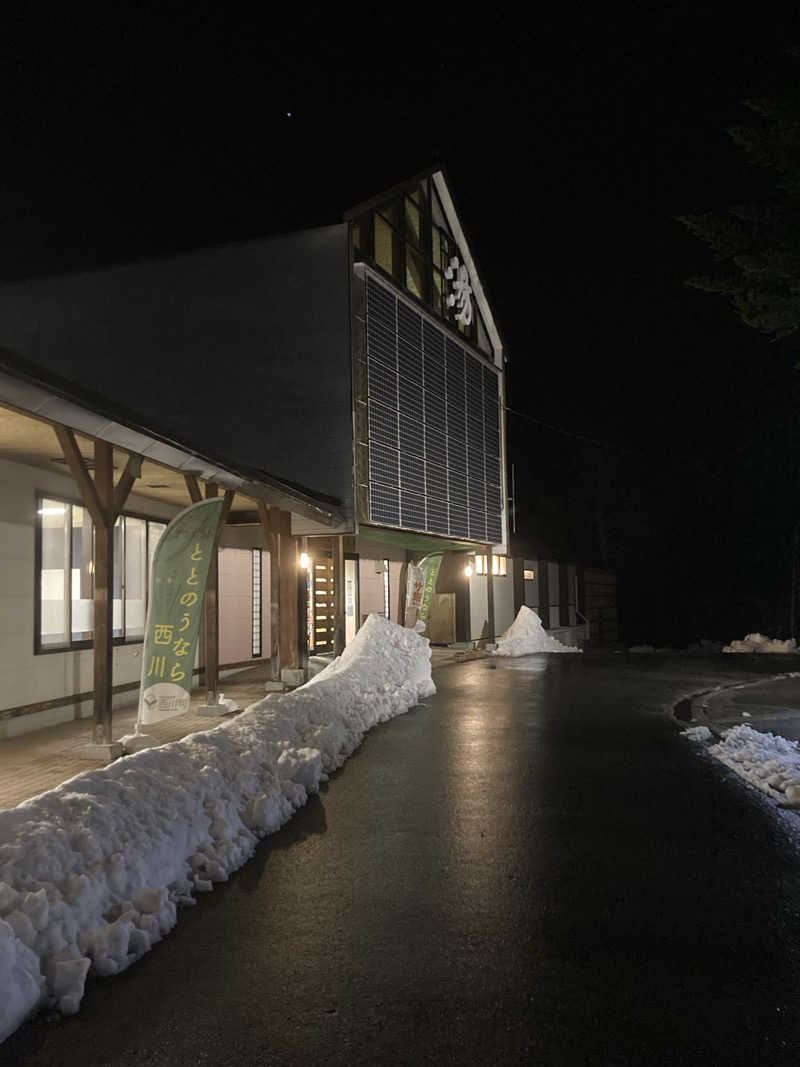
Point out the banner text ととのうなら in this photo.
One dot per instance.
(177, 587)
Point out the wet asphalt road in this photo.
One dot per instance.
(532, 868)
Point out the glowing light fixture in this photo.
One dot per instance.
(304, 561)
(52, 511)
(468, 570)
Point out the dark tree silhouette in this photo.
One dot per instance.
(757, 246)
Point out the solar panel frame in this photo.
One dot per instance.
(433, 423)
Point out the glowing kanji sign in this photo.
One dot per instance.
(461, 296)
(414, 586)
(177, 587)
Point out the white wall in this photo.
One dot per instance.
(395, 569)
(478, 606)
(370, 587)
(503, 587)
(236, 605)
(504, 599)
(28, 678)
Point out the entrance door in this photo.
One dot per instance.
(323, 606)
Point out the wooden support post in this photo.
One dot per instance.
(193, 487)
(103, 594)
(288, 592)
(271, 527)
(78, 470)
(104, 503)
(133, 470)
(338, 595)
(489, 593)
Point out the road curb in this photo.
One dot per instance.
(692, 709)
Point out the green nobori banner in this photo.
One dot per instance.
(430, 567)
(177, 587)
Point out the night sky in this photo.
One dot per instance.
(572, 142)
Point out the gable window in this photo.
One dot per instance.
(65, 575)
(387, 247)
(408, 238)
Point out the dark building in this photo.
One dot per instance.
(344, 386)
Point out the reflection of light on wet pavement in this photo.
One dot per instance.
(486, 860)
(533, 664)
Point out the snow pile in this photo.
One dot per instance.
(526, 635)
(697, 733)
(22, 981)
(759, 643)
(91, 872)
(769, 762)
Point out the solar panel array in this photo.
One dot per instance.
(434, 426)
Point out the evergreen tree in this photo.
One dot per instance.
(757, 246)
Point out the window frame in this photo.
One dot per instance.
(78, 645)
(257, 602)
(481, 565)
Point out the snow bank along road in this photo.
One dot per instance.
(535, 867)
(768, 761)
(91, 872)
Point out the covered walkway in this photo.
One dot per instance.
(43, 759)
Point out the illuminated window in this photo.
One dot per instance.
(135, 592)
(255, 576)
(409, 238)
(65, 575)
(385, 246)
(529, 576)
(499, 564)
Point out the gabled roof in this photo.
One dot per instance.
(458, 230)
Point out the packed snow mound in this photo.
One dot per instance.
(526, 635)
(759, 643)
(697, 733)
(91, 872)
(769, 762)
(23, 984)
